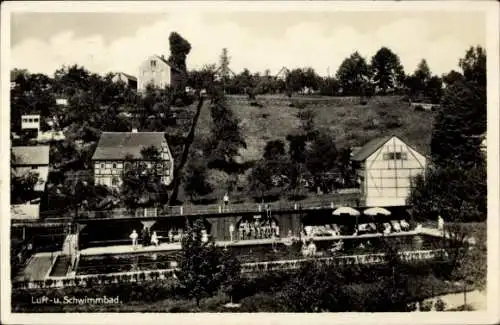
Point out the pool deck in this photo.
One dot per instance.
(125, 249)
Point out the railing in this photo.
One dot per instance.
(218, 208)
(377, 258)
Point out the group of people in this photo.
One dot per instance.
(256, 229)
(146, 238)
(151, 238)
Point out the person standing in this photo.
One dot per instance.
(226, 202)
(154, 239)
(134, 236)
(441, 224)
(231, 232)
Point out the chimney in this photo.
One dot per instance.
(134, 130)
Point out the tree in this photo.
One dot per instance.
(226, 138)
(455, 193)
(260, 180)
(295, 80)
(321, 158)
(274, 149)
(388, 73)
(22, 187)
(202, 79)
(203, 267)
(141, 183)
(460, 121)
(329, 86)
(473, 66)
(423, 73)
(354, 75)
(297, 148)
(195, 183)
(314, 289)
(224, 61)
(452, 77)
(179, 50)
(434, 89)
(308, 125)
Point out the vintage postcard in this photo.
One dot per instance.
(250, 162)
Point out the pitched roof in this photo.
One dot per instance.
(369, 148)
(117, 145)
(31, 155)
(127, 75)
(162, 58)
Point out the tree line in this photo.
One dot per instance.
(455, 182)
(356, 76)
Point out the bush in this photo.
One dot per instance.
(439, 305)
(419, 108)
(261, 302)
(214, 303)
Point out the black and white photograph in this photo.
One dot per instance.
(300, 159)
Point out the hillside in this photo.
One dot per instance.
(351, 123)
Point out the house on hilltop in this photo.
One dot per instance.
(385, 167)
(158, 72)
(113, 148)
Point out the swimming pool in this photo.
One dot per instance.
(104, 264)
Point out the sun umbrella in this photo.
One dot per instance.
(345, 210)
(376, 211)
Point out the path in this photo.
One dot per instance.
(477, 299)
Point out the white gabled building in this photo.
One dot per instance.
(385, 168)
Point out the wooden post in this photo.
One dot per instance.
(465, 294)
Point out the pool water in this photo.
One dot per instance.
(102, 264)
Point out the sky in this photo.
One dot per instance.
(112, 42)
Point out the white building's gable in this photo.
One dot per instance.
(389, 172)
(155, 71)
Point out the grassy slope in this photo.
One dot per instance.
(351, 123)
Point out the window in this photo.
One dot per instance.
(114, 181)
(153, 64)
(35, 120)
(34, 167)
(395, 156)
(102, 166)
(389, 156)
(114, 165)
(30, 120)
